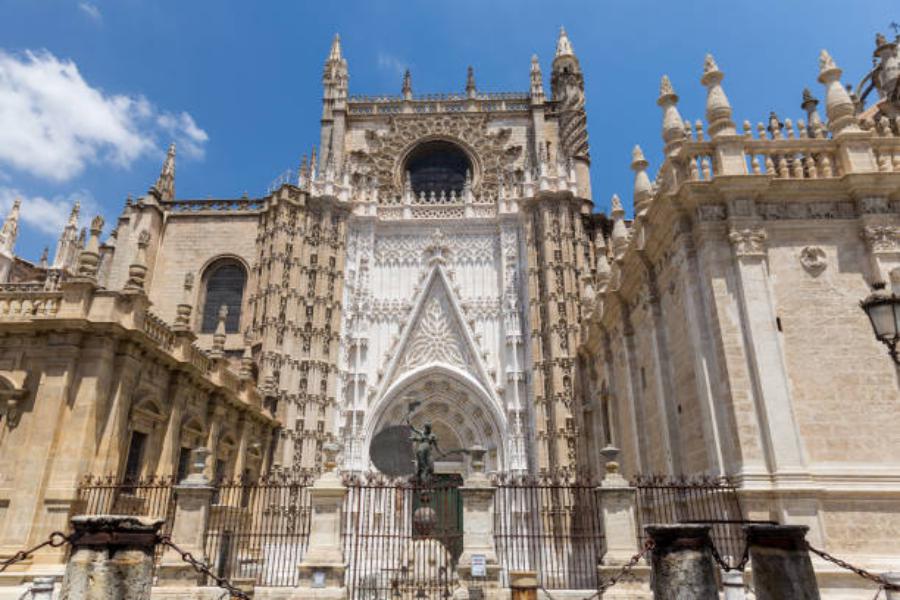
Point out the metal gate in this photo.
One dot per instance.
(402, 540)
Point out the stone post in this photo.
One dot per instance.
(42, 588)
(112, 558)
(193, 496)
(478, 532)
(523, 585)
(733, 584)
(894, 579)
(683, 567)
(618, 502)
(322, 568)
(781, 564)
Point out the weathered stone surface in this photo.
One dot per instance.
(781, 562)
(683, 566)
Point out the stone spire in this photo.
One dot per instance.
(838, 105)
(619, 231)
(814, 126)
(165, 183)
(471, 90)
(10, 230)
(67, 248)
(563, 45)
(335, 74)
(673, 125)
(718, 110)
(643, 189)
(537, 81)
(335, 53)
(407, 85)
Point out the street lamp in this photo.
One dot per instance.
(883, 309)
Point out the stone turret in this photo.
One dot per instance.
(567, 83)
(335, 83)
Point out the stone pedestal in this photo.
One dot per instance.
(781, 564)
(618, 503)
(322, 568)
(893, 578)
(733, 585)
(683, 567)
(42, 588)
(478, 528)
(192, 501)
(112, 558)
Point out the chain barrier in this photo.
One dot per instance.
(54, 540)
(626, 568)
(884, 585)
(205, 569)
(741, 564)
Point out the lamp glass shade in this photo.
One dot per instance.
(884, 320)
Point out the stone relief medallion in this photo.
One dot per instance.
(813, 260)
(488, 149)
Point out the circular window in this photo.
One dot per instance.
(437, 166)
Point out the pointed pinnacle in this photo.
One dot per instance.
(335, 53)
(826, 63)
(563, 45)
(638, 162)
(666, 89)
(616, 210)
(709, 64)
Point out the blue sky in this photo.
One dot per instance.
(91, 92)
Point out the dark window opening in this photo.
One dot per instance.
(135, 456)
(184, 463)
(437, 167)
(224, 286)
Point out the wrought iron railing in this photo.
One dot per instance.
(709, 500)
(550, 525)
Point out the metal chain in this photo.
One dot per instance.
(741, 564)
(55, 540)
(858, 570)
(204, 569)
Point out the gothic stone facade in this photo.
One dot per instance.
(443, 250)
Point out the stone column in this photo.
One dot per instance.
(618, 504)
(322, 568)
(733, 584)
(192, 501)
(42, 588)
(478, 532)
(781, 564)
(112, 558)
(683, 567)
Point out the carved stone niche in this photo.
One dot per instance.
(813, 260)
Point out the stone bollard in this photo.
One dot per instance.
(322, 568)
(478, 562)
(894, 579)
(683, 567)
(523, 585)
(733, 584)
(193, 497)
(42, 588)
(111, 559)
(781, 564)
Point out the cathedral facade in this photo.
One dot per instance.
(439, 256)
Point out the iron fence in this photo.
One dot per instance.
(401, 539)
(258, 531)
(550, 525)
(111, 495)
(709, 500)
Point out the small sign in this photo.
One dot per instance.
(318, 580)
(478, 565)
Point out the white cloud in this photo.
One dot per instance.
(389, 62)
(49, 215)
(53, 123)
(91, 10)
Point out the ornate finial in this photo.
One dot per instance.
(165, 183)
(619, 231)
(718, 109)
(537, 80)
(616, 209)
(220, 335)
(89, 259)
(335, 52)
(709, 64)
(137, 270)
(10, 230)
(603, 269)
(808, 98)
(643, 189)
(184, 308)
(826, 63)
(470, 82)
(673, 126)
(666, 89)
(44, 256)
(407, 85)
(73, 216)
(563, 45)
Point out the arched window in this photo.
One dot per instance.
(225, 282)
(437, 166)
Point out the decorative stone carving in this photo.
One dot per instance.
(748, 242)
(813, 260)
(487, 148)
(882, 238)
(711, 212)
(435, 340)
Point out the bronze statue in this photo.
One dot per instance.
(423, 442)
